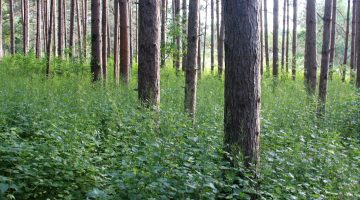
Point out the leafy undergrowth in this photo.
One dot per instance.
(65, 138)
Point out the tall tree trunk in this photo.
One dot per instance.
(60, 29)
(55, 27)
(163, 32)
(325, 53)
(346, 41)
(212, 32)
(116, 44)
(45, 22)
(283, 38)
(50, 32)
(353, 38)
(80, 40)
(38, 28)
(205, 31)
(177, 37)
(85, 19)
(287, 38)
(276, 39)
(294, 41)
(242, 82)
(72, 28)
(310, 47)
(333, 39)
(12, 30)
(124, 42)
(198, 69)
(26, 27)
(261, 39)
(221, 39)
(184, 35)
(266, 38)
(104, 39)
(191, 67)
(130, 33)
(357, 43)
(1, 32)
(96, 40)
(149, 52)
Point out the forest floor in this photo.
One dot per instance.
(66, 138)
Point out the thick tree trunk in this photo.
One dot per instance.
(333, 39)
(287, 38)
(221, 39)
(266, 38)
(72, 28)
(96, 40)
(242, 82)
(116, 44)
(325, 53)
(310, 48)
(184, 35)
(163, 32)
(149, 52)
(48, 48)
(346, 41)
(283, 38)
(276, 39)
(353, 38)
(357, 43)
(124, 42)
(191, 67)
(1, 32)
(212, 32)
(294, 41)
(38, 28)
(26, 27)
(205, 31)
(104, 39)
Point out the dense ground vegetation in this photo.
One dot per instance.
(65, 138)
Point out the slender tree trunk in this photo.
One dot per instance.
(72, 28)
(283, 39)
(55, 27)
(184, 35)
(353, 38)
(221, 39)
(12, 30)
(191, 69)
(149, 52)
(294, 41)
(38, 28)
(325, 57)
(242, 83)
(357, 43)
(85, 12)
(96, 40)
(177, 37)
(199, 49)
(261, 39)
(163, 32)
(108, 40)
(333, 39)
(124, 42)
(104, 39)
(45, 24)
(205, 31)
(1, 32)
(266, 39)
(130, 33)
(212, 32)
(48, 48)
(26, 27)
(310, 47)
(287, 38)
(116, 44)
(80, 40)
(276, 40)
(64, 23)
(60, 29)
(346, 41)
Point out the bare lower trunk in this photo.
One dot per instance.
(266, 39)
(77, 8)
(221, 42)
(1, 34)
(353, 37)
(346, 41)
(38, 28)
(60, 29)
(163, 32)
(104, 39)
(116, 44)
(12, 30)
(212, 33)
(72, 28)
(149, 52)
(287, 38)
(283, 38)
(184, 35)
(48, 48)
(205, 31)
(26, 27)
(96, 40)
(294, 41)
(357, 43)
(124, 42)
(333, 39)
(276, 39)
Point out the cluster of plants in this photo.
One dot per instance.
(66, 138)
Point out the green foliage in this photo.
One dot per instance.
(65, 138)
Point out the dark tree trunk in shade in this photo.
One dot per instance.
(163, 32)
(294, 41)
(116, 44)
(131, 56)
(221, 39)
(346, 41)
(333, 39)
(38, 29)
(149, 52)
(96, 40)
(61, 29)
(45, 18)
(176, 55)
(287, 38)
(26, 26)
(283, 38)
(85, 18)
(49, 43)
(266, 38)
(1, 34)
(353, 38)
(242, 82)
(184, 34)
(191, 66)
(54, 27)
(205, 31)
(72, 29)
(310, 64)
(276, 39)
(357, 43)
(12, 28)
(212, 33)
(104, 39)
(325, 53)
(124, 42)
